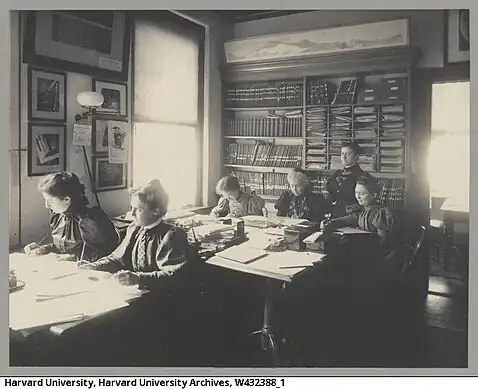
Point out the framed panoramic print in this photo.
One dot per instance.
(109, 176)
(47, 95)
(101, 133)
(115, 95)
(458, 36)
(96, 43)
(46, 148)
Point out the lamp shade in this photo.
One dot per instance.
(90, 99)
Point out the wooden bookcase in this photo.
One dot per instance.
(282, 114)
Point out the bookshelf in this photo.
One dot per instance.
(273, 124)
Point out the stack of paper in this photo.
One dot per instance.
(242, 253)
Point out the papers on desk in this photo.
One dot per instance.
(261, 240)
(207, 230)
(351, 231)
(242, 253)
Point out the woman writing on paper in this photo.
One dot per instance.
(299, 201)
(152, 250)
(78, 230)
(235, 202)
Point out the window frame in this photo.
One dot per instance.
(188, 28)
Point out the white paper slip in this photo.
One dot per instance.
(313, 237)
(242, 253)
(260, 240)
(351, 231)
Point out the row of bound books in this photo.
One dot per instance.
(278, 94)
(266, 155)
(277, 127)
(265, 184)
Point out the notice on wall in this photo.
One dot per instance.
(118, 142)
(81, 134)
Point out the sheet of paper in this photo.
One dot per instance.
(260, 240)
(313, 237)
(242, 253)
(81, 135)
(276, 231)
(351, 231)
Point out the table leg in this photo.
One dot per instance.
(268, 338)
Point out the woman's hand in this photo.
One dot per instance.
(85, 265)
(126, 277)
(66, 257)
(31, 249)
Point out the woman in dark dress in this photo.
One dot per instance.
(340, 187)
(299, 201)
(78, 230)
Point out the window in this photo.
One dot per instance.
(449, 152)
(167, 105)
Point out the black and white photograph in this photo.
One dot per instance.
(109, 175)
(46, 148)
(263, 189)
(458, 35)
(115, 98)
(47, 95)
(101, 130)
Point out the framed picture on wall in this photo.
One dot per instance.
(100, 131)
(109, 176)
(458, 36)
(115, 95)
(47, 95)
(46, 148)
(96, 43)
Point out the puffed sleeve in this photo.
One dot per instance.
(171, 255)
(98, 233)
(222, 208)
(318, 208)
(283, 202)
(115, 261)
(331, 186)
(386, 224)
(256, 203)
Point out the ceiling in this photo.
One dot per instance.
(236, 16)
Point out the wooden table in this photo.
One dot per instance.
(454, 211)
(275, 277)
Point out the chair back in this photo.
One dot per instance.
(419, 244)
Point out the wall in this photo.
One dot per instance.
(217, 32)
(33, 214)
(426, 27)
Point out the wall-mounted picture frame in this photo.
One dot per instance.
(100, 130)
(333, 40)
(46, 95)
(457, 36)
(109, 176)
(115, 95)
(96, 43)
(46, 148)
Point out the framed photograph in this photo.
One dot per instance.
(458, 36)
(360, 37)
(101, 131)
(47, 95)
(109, 176)
(96, 43)
(116, 97)
(46, 148)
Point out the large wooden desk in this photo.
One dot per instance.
(275, 277)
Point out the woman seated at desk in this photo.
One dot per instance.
(299, 201)
(340, 187)
(78, 230)
(152, 250)
(369, 215)
(235, 202)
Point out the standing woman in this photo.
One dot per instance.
(299, 201)
(78, 230)
(340, 187)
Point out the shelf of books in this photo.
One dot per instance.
(271, 127)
